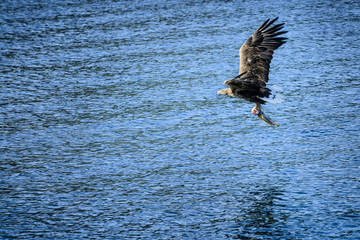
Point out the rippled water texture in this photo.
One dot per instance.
(111, 127)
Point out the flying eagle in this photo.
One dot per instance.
(255, 58)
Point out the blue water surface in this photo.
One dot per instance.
(111, 128)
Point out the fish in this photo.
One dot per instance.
(263, 117)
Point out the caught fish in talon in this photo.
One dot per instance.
(255, 58)
(266, 119)
(261, 115)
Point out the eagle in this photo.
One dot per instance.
(255, 58)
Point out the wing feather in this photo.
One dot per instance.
(257, 52)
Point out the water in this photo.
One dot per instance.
(111, 127)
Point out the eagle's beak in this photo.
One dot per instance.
(266, 119)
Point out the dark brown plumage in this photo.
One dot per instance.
(256, 53)
(255, 58)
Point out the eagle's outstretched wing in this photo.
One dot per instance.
(256, 53)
